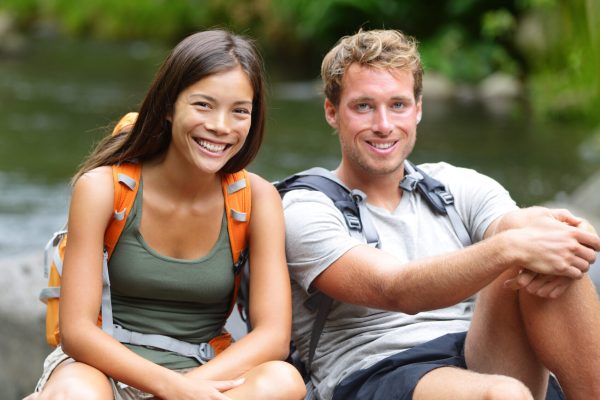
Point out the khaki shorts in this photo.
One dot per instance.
(121, 391)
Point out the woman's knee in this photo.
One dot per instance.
(77, 381)
(277, 380)
(505, 387)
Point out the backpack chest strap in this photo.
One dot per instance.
(202, 352)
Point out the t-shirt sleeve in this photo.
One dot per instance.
(480, 200)
(316, 235)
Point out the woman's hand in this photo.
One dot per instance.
(189, 388)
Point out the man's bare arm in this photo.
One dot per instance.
(373, 278)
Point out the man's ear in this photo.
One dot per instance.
(331, 114)
(419, 109)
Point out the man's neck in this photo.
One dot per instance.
(381, 190)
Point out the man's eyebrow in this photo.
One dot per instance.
(401, 97)
(369, 98)
(361, 98)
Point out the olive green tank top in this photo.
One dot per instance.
(155, 294)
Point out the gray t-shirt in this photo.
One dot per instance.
(356, 337)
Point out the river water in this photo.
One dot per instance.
(57, 97)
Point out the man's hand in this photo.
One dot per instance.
(545, 285)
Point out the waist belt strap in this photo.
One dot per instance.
(202, 352)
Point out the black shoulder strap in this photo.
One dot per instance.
(437, 197)
(350, 203)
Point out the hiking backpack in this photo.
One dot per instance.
(352, 205)
(126, 177)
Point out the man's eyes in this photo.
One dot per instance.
(363, 106)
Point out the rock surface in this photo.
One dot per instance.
(23, 346)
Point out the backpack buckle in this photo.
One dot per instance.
(205, 353)
(410, 181)
(241, 261)
(446, 197)
(353, 221)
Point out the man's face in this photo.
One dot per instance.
(376, 119)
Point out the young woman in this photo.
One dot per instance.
(170, 272)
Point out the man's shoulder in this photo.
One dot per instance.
(305, 197)
(445, 169)
(452, 175)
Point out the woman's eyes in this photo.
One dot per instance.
(242, 110)
(207, 106)
(201, 104)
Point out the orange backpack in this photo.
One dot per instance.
(237, 195)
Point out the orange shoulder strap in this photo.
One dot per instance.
(126, 178)
(237, 195)
(126, 122)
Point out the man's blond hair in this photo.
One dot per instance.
(381, 49)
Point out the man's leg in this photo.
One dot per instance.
(459, 384)
(565, 334)
(517, 334)
(497, 342)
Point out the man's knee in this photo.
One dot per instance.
(504, 387)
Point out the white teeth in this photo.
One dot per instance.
(382, 146)
(214, 148)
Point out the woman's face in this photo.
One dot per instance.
(211, 119)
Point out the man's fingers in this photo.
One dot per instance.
(572, 272)
(582, 261)
(546, 286)
(559, 290)
(588, 239)
(512, 284)
(586, 226)
(523, 278)
(564, 215)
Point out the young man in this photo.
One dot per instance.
(404, 322)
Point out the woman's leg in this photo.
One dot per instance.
(75, 380)
(273, 380)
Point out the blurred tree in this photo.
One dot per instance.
(561, 40)
(557, 46)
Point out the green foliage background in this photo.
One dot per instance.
(552, 45)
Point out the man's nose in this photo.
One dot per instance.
(381, 122)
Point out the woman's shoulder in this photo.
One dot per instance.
(97, 174)
(263, 191)
(96, 183)
(260, 185)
